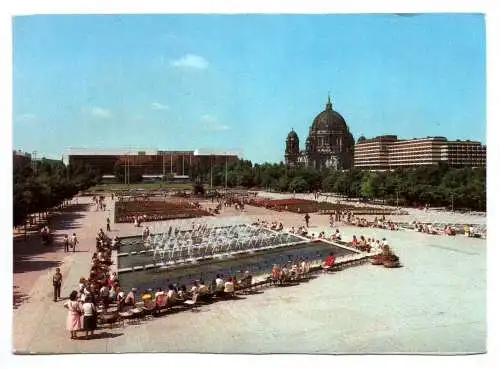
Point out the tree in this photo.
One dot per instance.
(298, 185)
(52, 184)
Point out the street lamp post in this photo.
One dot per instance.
(226, 175)
(163, 167)
(211, 172)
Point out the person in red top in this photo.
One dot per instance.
(275, 272)
(329, 261)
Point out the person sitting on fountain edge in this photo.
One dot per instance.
(329, 261)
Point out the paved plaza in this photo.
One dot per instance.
(436, 303)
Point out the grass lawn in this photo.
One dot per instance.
(145, 186)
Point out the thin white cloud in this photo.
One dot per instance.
(159, 106)
(190, 61)
(26, 118)
(171, 36)
(211, 123)
(98, 112)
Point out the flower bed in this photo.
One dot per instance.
(302, 206)
(126, 211)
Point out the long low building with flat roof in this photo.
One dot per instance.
(151, 162)
(388, 152)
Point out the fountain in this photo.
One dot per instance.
(184, 248)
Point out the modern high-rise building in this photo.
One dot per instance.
(389, 152)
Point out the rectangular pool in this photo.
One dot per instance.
(257, 263)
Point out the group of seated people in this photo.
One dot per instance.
(368, 245)
(301, 231)
(384, 224)
(176, 295)
(101, 286)
(217, 209)
(103, 289)
(359, 222)
(105, 242)
(386, 257)
(275, 226)
(470, 231)
(377, 223)
(291, 271)
(425, 228)
(449, 230)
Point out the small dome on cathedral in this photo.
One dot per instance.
(292, 136)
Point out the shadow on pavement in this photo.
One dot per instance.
(18, 297)
(25, 251)
(28, 263)
(100, 335)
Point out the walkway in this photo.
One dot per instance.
(35, 314)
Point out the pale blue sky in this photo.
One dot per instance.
(197, 81)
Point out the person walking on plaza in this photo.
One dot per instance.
(66, 243)
(306, 218)
(108, 225)
(56, 283)
(74, 241)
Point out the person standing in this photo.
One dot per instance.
(108, 225)
(73, 323)
(56, 283)
(89, 317)
(306, 218)
(74, 241)
(66, 243)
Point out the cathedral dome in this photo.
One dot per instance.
(329, 120)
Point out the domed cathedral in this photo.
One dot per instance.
(329, 144)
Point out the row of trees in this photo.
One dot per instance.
(437, 185)
(40, 188)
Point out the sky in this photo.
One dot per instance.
(178, 82)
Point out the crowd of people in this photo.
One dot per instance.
(46, 235)
(100, 287)
(448, 229)
(99, 202)
(349, 219)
